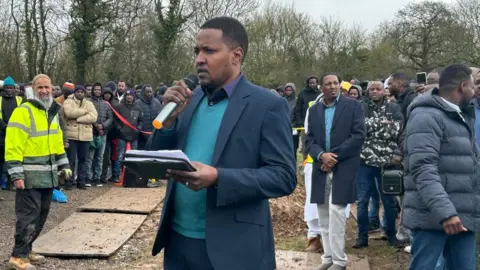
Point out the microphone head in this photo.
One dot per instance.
(191, 81)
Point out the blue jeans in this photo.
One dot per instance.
(95, 161)
(368, 178)
(374, 208)
(121, 148)
(428, 246)
(441, 263)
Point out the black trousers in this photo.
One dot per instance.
(183, 253)
(31, 208)
(80, 150)
(107, 160)
(296, 139)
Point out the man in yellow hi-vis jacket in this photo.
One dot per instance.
(34, 155)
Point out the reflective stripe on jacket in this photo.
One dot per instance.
(34, 145)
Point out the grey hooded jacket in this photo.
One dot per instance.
(441, 165)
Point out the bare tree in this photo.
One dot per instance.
(468, 13)
(428, 35)
(203, 10)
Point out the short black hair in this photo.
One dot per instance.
(234, 32)
(328, 74)
(452, 76)
(401, 77)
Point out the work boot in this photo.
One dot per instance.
(324, 266)
(314, 245)
(20, 264)
(360, 243)
(36, 258)
(393, 242)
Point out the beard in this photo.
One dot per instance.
(8, 93)
(46, 101)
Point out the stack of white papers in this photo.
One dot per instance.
(160, 156)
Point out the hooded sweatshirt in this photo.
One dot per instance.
(105, 115)
(306, 95)
(359, 90)
(149, 108)
(292, 100)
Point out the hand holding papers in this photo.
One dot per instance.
(204, 176)
(154, 164)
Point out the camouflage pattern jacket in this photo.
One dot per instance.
(381, 140)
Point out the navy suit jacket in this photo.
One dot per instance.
(255, 162)
(346, 141)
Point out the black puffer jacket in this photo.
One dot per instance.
(105, 115)
(133, 115)
(149, 108)
(441, 165)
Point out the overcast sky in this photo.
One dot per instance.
(368, 13)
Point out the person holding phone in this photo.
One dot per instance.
(239, 138)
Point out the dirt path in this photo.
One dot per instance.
(128, 257)
(136, 253)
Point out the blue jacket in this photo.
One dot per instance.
(255, 162)
(441, 166)
(346, 140)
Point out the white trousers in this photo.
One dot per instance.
(310, 210)
(332, 221)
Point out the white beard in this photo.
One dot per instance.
(45, 101)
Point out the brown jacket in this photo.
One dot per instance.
(79, 116)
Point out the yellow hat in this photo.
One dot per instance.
(345, 86)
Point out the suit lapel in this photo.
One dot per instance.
(186, 116)
(321, 117)
(236, 105)
(338, 110)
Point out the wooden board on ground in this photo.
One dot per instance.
(89, 235)
(127, 200)
(295, 260)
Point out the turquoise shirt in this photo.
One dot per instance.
(189, 205)
(329, 113)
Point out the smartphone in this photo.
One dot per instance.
(422, 78)
(29, 92)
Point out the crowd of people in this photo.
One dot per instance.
(426, 129)
(243, 142)
(97, 123)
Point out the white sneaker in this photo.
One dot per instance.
(88, 185)
(99, 185)
(408, 249)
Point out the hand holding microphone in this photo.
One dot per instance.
(176, 99)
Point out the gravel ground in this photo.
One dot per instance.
(135, 254)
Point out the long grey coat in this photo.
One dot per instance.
(441, 166)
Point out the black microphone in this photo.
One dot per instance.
(191, 81)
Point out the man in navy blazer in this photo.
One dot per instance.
(336, 131)
(238, 137)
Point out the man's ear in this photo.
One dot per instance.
(238, 56)
(462, 87)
